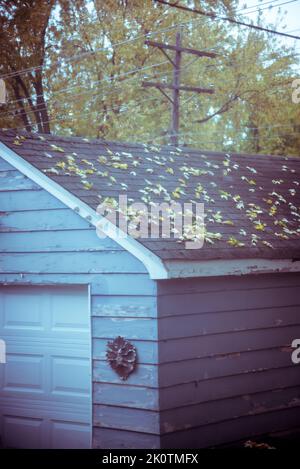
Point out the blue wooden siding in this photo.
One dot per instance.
(43, 242)
(225, 358)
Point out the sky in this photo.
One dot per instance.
(291, 19)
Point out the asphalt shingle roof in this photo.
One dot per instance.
(252, 202)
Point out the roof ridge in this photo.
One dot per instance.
(167, 148)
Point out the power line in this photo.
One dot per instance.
(225, 18)
(159, 31)
(138, 70)
(259, 5)
(135, 78)
(191, 133)
(117, 77)
(90, 112)
(101, 49)
(109, 79)
(242, 139)
(103, 80)
(115, 89)
(267, 8)
(117, 85)
(107, 48)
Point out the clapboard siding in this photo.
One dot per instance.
(136, 397)
(44, 242)
(15, 181)
(15, 201)
(126, 418)
(107, 438)
(222, 284)
(83, 262)
(200, 346)
(132, 328)
(232, 430)
(4, 166)
(84, 240)
(239, 406)
(111, 284)
(174, 373)
(41, 220)
(225, 357)
(225, 387)
(226, 300)
(128, 306)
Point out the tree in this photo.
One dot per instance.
(23, 26)
(94, 60)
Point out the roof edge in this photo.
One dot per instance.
(229, 267)
(152, 263)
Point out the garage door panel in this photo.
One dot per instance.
(22, 432)
(23, 372)
(68, 320)
(16, 317)
(47, 376)
(73, 434)
(70, 376)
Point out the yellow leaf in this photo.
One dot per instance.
(120, 165)
(87, 185)
(234, 242)
(176, 195)
(102, 159)
(56, 148)
(259, 226)
(87, 162)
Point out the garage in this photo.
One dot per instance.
(191, 348)
(45, 384)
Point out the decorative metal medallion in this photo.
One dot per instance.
(121, 356)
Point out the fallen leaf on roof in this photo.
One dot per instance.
(56, 148)
(87, 185)
(259, 226)
(234, 242)
(269, 245)
(120, 165)
(228, 222)
(61, 164)
(170, 170)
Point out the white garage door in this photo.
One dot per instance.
(45, 384)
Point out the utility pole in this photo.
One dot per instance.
(176, 83)
(175, 86)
